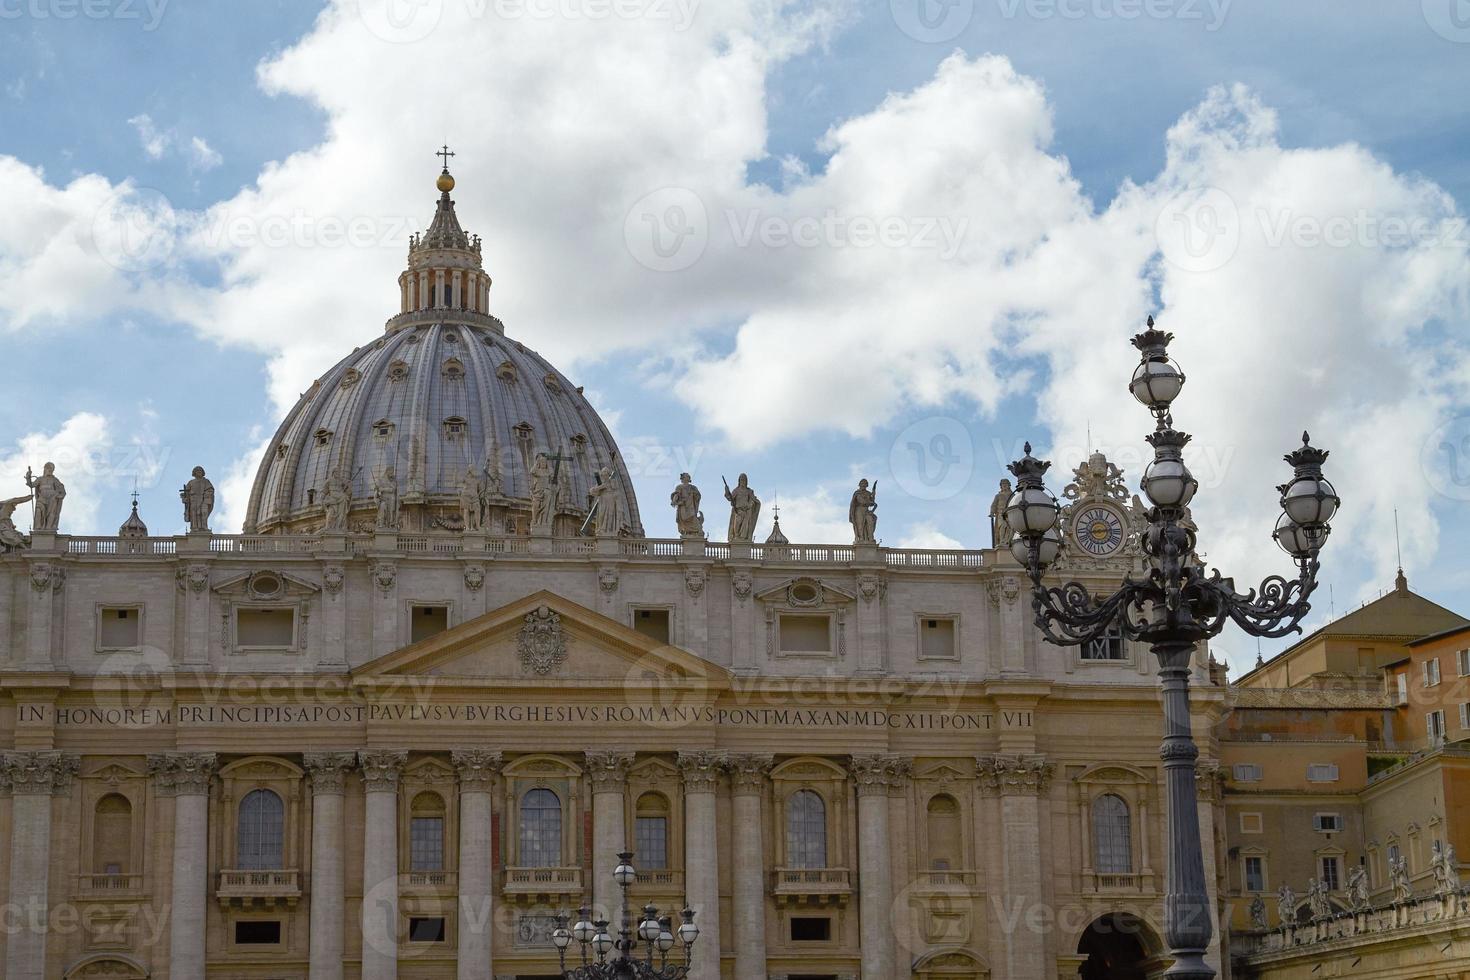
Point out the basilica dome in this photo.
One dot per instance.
(442, 400)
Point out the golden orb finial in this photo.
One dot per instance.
(445, 182)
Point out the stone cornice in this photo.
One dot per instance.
(329, 770)
(477, 769)
(39, 773)
(608, 769)
(701, 770)
(1011, 775)
(182, 773)
(381, 769)
(748, 772)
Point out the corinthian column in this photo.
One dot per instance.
(701, 857)
(380, 770)
(477, 770)
(328, 771)
(608, 772)
(748, 908)
(34, 778)
(1020, 781)
(185, 776)
(872, 774)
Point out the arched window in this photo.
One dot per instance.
(112, 835)
(540, 829)
(260, 839)
(426, 833)
(806, 830)
(1112, 841)
(945, 848)
(651, 832)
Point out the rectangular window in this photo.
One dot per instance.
(1431, 672)
(428, 621)
(1403, 686)
(1393, 854)
(806, 634)
(1255, 874)
(1251, 823)
(1434, 726)
(1462, 663)
(1465, 715)
(652, 842)
(1247, 772)
(1109, 646)
(1329, 873)
(426, 929)
(1327, 823)
(1322, 772)
(265, 629)
(936, 639)
(652, 623)
(118, 627)
(811, 929)
(257, 933)
(426, 844)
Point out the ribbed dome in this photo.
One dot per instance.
(441, 393)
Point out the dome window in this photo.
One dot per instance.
(451, 338)
(523, 431)
(413, 338)
(553, 383)
(281, 451)
(383, 429)
(506, 372)
(351, 377)
(454, 427)
(454, 369)
(323, 437)
(398, 371)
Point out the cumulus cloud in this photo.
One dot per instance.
(86, 462)
(926, 534)
(158, 143)
(232, 489)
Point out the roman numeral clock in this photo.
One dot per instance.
(1099, 530)
(1100, 523)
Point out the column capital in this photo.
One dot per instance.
(608, 769)
(381, 768)
(748, 772)
(872, 772)
(182, 773)
(900, 774)
(39, 773)
(1014, 775)
(477, 769)
(328, 770)
(701, 770)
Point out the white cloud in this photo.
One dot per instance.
(202, 156)
(926, 534)
(157, 143)
(86, 463)
(232, 490)
(154, 142)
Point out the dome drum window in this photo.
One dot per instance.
(350, 377)
(506, 372)
(323, 437)
(453, 369)
(398, 371)
(455, 428)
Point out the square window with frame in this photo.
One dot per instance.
(119, 627)
(654, 623)
(258, 932)
(805, 633)
(1252, 823)
(1431, 672)
(426, 620)
(1108, 648)
(938, 637)
(811, 929)
(265, 627)
(426, 929)
(1246, 772)
(1434, 726)
(1327, 823)
(1322, 772)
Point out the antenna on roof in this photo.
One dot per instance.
(1331, 601)
(1397, 547)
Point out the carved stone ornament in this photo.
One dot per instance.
(748, 772)
(701, 770)
(39, 773)
(694, 581)
(477, 769)
(328, 770)
(1007, 590)
(608, 770)
(182, 773)
(1011, 775)
(1096, 478)
(385, 574)
(45, 575)
(474, 577)
(193, 578)
(1209, 782)
(869, 587)
(542, 644)
(874, 774)
(332, 578)
(742, 582)
(607, 579)
(381, 769)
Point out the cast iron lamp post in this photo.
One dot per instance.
(1174, 606)
(596, 942)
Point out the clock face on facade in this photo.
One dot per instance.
(1099, 530)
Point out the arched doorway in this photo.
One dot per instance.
(1118, 946)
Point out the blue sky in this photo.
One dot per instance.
(1047, 133)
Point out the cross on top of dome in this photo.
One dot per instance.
(444, 231)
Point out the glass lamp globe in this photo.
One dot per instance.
(649, 928)
(584, 930)
(688, 931)
(1297, 540)
(561, 938)
(602, 942)
(624, 873)
(1046, 553)
(665, 935)
(1168, 483)
(1031, 509)
(1156, 383)
(1310, 500)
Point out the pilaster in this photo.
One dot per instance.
(749, 775)
(33, 778)
(186, 777)
(380, 771)
(328, 773)
(701, 771)
(478, 769)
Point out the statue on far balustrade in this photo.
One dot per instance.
(1357, 889)
(472, 501)
(337, 500)
(862, 513)
(48, 493)
(605, 511)
(10, 538)
(1451, 864)
(386, 491)
(1317, 899)
(685, 501)
(1286, 905)
(541, 493)
(1398, 879)
(745, 509)
(1000, 528)
(1258, 913)
(198, 498)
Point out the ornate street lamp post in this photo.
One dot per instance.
(1174, 606)
(596, 943)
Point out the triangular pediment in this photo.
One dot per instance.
(550, 639)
